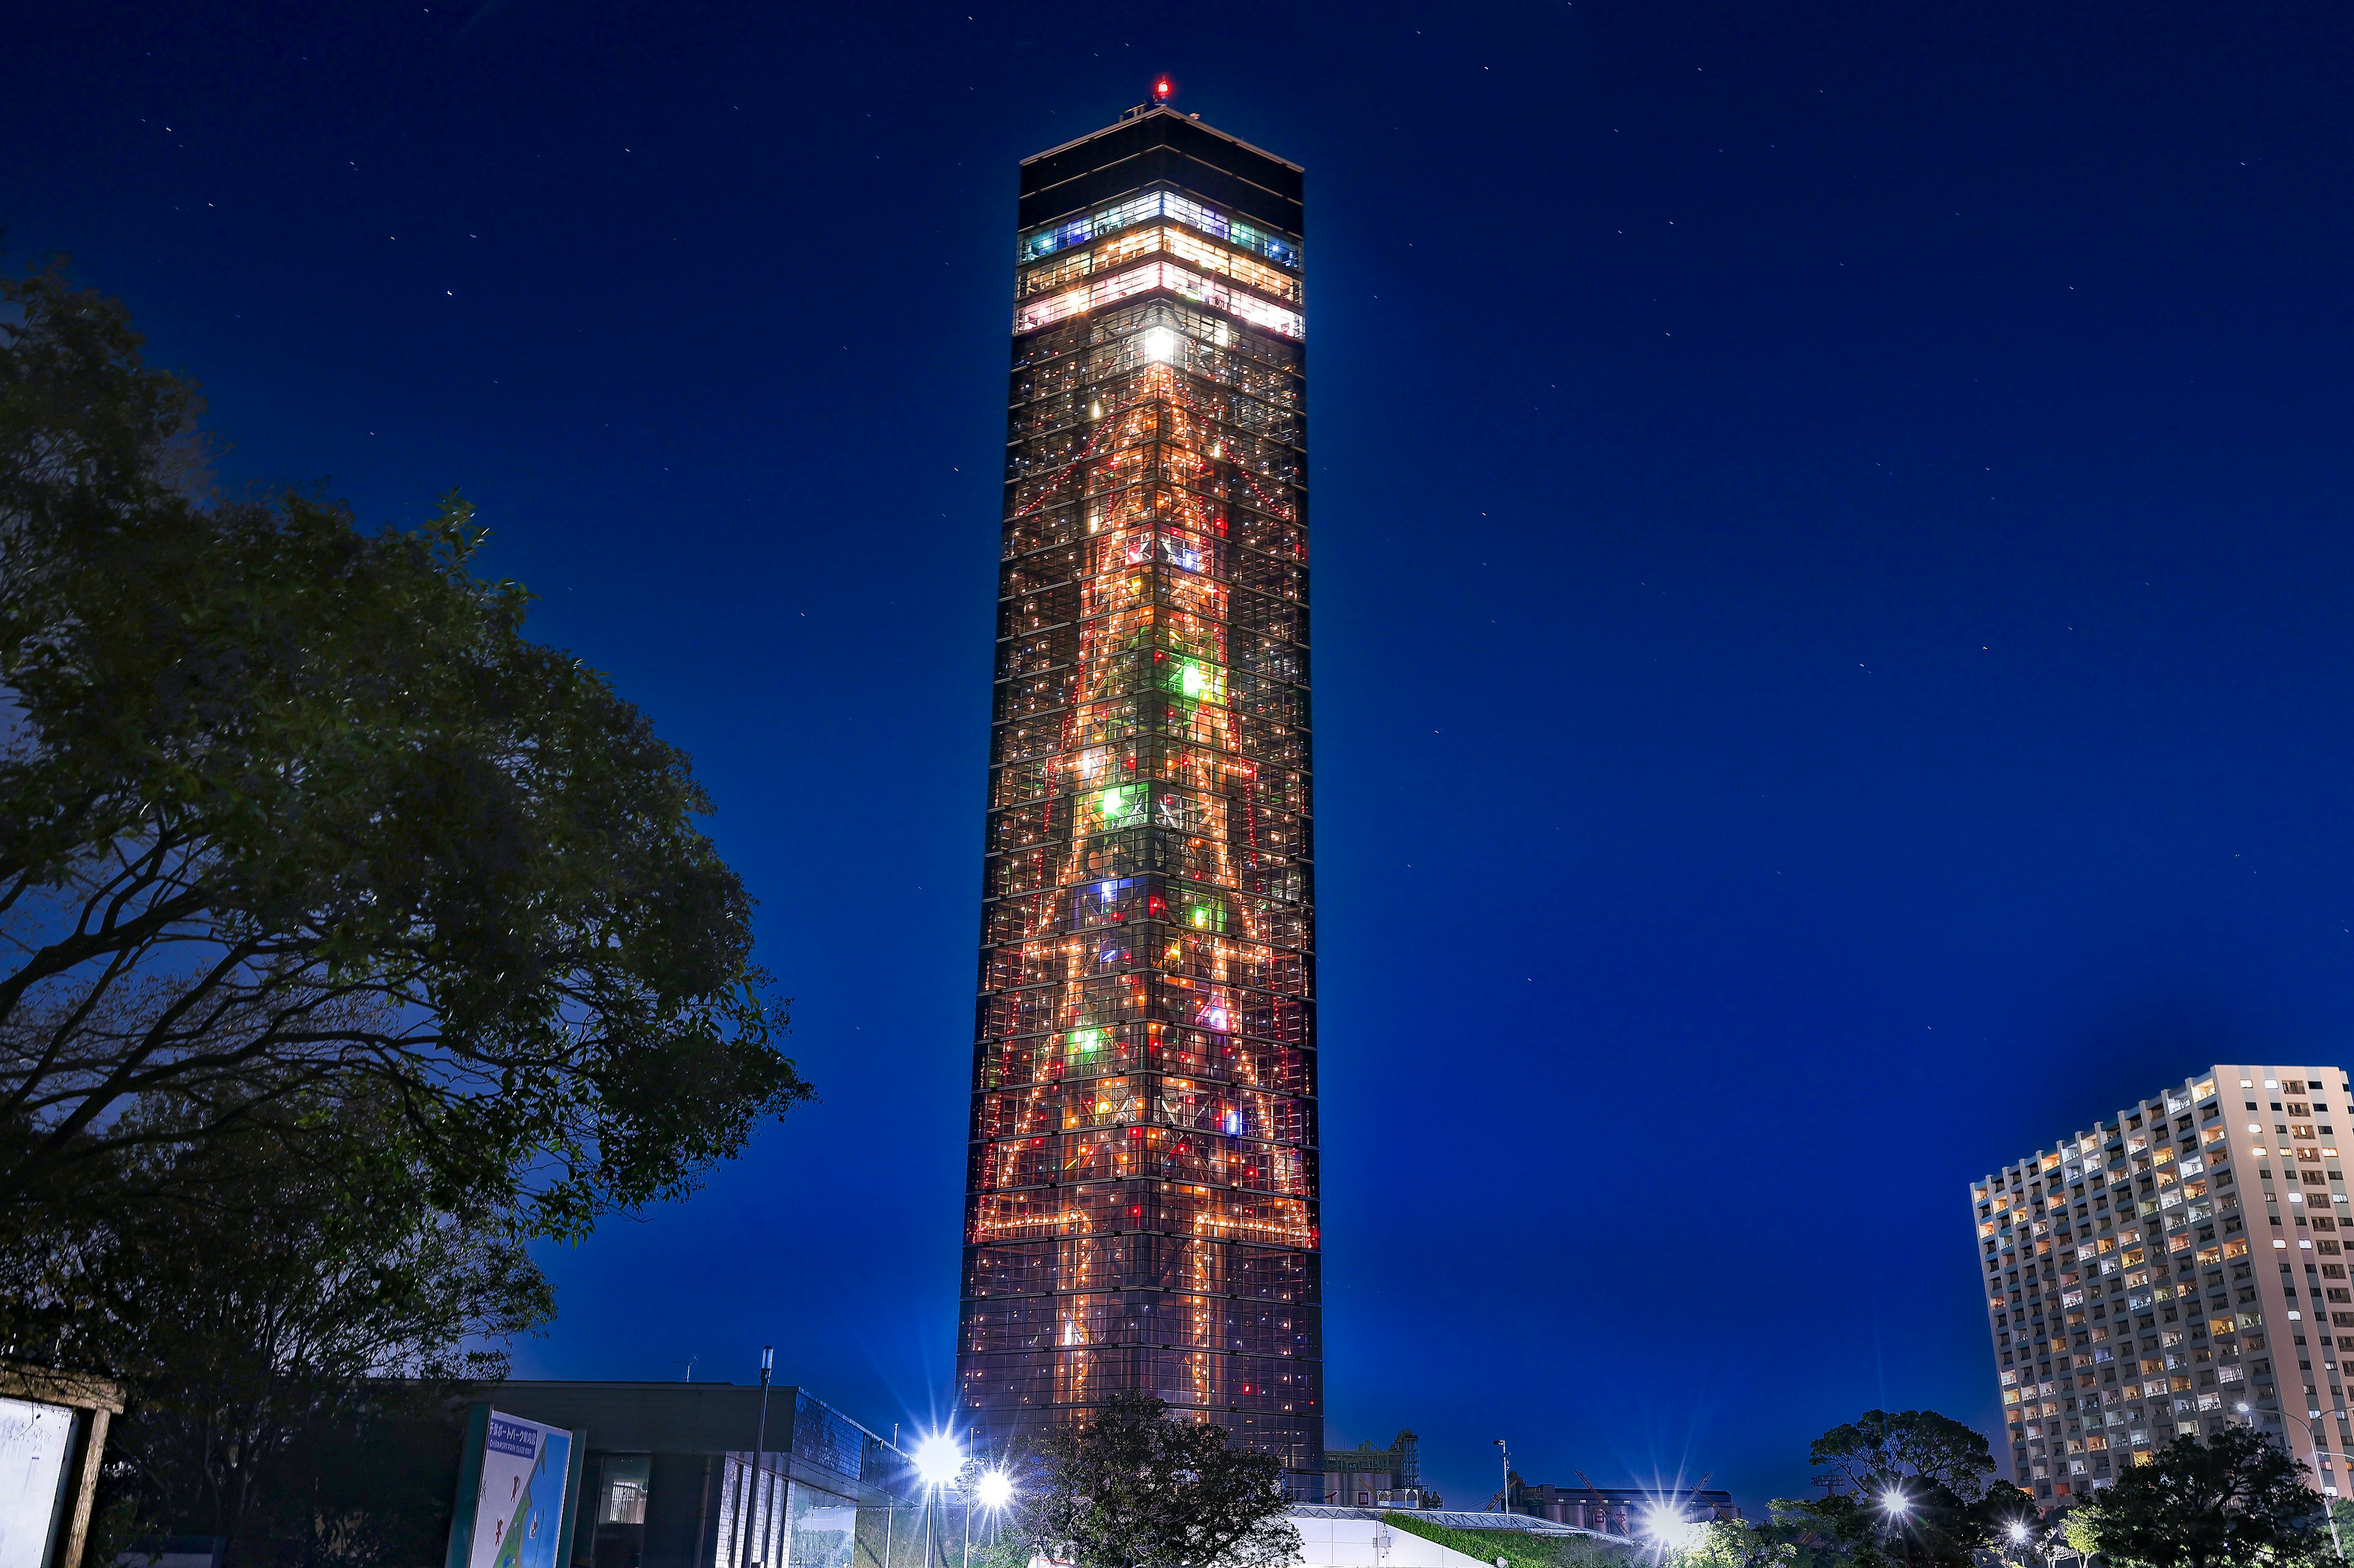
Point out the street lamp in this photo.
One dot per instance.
(1898, 1508)
(938, 1458)
(938, 1461)
(1667, 1529)
(995, 1489)
(754, 1514)
(2329, 1507)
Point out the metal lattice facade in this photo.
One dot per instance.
(1142, 1191)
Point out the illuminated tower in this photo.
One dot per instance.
(1141, 1209)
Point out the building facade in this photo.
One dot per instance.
(1141, 1210)
(1630, 1512)
(2179, 1266)
(696, 1476)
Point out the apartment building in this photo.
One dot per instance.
(2179, 1265)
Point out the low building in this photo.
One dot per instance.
(1620, 1510)
(1367, 1477)
(669, 1479)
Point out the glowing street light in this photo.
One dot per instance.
(2017, 1533)
(938, 1459)
(1666, 1527)
(1895, 1503)
(996, 1489)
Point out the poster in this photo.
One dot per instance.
(35, 1441)
(519, 1510)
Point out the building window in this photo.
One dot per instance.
(623, 1481)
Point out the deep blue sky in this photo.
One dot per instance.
(1833, 567)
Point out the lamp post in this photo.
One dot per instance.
(938, 1461)
(2330, 1509)
(996, 1489)
(1504, 1458)
(760, 1443)
(1898, 1508)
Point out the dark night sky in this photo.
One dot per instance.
(1832, 642)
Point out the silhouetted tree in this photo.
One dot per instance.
(280, 1315)
(1138, 1486)
(293, 814)
(348, 940)
(1917, 1491)
(2235, 1501)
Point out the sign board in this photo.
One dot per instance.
(515, 1494)
(36, 1444)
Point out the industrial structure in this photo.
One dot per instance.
(1142, 1211)
(2178, 1266)
(1367, 1477)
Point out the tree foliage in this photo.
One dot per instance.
(1138, 1487)
(279, 1314)
(2233, 1501)
(1785, 1539)
(348, 940)
(1907, 1487)
(293, 814)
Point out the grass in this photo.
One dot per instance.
(1518, 1548)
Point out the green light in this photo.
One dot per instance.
(1085, 1039)
(1192, 679)
(1201, 915)
(1113, 803)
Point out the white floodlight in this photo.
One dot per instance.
(2018, 1531)
(1895, 1502)
(995, 1488)
(1665, 1527)
(938, 1459)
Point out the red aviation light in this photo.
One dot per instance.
(1164, 88)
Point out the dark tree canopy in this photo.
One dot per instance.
(1909, 1487)
(2232, 1501)
(1140, 1487)
(278, 1316)
(291, 813)
(1880, 1447)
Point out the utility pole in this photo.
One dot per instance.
(759, 1444)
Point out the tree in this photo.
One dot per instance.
(1740, 1543)
(1917, 1491)
(277, 1313)
(1785, 1539)
(1136, 1486)
(295, 815)
(2232, 1501)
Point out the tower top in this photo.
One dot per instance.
(1154, 141)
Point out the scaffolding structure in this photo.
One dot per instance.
(1141, 1212)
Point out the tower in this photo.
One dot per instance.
(1141, 1207)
